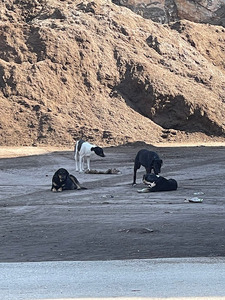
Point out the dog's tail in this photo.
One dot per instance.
(77, 183)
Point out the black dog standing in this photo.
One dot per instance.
(148, 159)
(62, 181)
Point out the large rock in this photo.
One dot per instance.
(166, 11)
(91, 69)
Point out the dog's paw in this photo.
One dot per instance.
(152, 184)
(145, 190)
(134, 184)
(54, 190)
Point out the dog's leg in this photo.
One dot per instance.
(88, 163)
(81, 159)
(76, 157)
(148, 170)
(54, 187)
(76, 162)
(134, 177)
(83, 164)
(75, 181)
(137, 166)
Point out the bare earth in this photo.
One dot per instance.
(110, 220)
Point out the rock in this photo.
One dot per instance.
(167, 11)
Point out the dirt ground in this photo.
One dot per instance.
(110, 220)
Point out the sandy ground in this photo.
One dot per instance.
(110, 220)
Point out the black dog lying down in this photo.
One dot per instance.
(62, 181)
(158, 183)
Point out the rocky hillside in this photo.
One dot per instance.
(92, 69)
(166, 11)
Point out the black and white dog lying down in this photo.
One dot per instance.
(62, 181)
(158, 183)
(148, 159)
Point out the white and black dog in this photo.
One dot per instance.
(84, 150)
(148, 159)
(158, 183)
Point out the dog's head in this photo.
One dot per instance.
(149, 178)
(98, 151)
(62, 174)
(157, 164)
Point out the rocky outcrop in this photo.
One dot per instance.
(166, 11)
(92, 69)
(202, 11)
